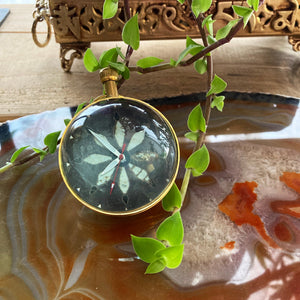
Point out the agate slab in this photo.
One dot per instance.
(53, 247)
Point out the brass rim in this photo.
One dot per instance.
(144, 207)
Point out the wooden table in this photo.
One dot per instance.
(32, 81)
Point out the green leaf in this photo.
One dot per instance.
(189, 42)
(131, 33)
(117, 66)
(67, 121)
(172, 62)
(208, 22)
(244, 12)
(90, 61)
(181, 1)
(217, 86)
(108, 56)
(196, 173)
(17, 153)
(121, 68)
(126, 73)
(254, 4)
(200, 6)
(172, 199)
(120, 52)
(156, 266)
(171, 230)
(193, 136)
(211, 39)
(110, 8)
(79, 108)
(223, 32)
(196, 120)
(200, 66)
(149, 62)
(199, 160)
(41, 152)
(51, 141)
(218, 102)
(146, 247)
(187, 51)
(172, 256)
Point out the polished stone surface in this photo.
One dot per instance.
(53, 247)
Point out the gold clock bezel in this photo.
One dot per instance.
(146, 206)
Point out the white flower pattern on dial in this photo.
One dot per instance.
(106, 175)
(119, 155)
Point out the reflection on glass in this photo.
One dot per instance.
(119, 155)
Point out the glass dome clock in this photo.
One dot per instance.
(119, 155)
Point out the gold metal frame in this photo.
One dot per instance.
(77, 23)
(144, 207)
(81, 20)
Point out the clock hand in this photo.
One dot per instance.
(121, 157)
(110, 166)
(103, 140)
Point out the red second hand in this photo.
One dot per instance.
(120, 159)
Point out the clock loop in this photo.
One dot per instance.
(119, 155)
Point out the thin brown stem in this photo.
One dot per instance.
(234, 30)
(208, 48)
(19, 162)
(209, 60)
(160, 67)
(204, 52)
(24, 160)
(200, 140)
(129, 51)
(127, 12)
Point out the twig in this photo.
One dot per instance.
(127, 14)
(200, 140)
(25, 159)
(22, 161)
(209, 61)
(234, 30)
(129, 50)
(202, 53)
(160, 67)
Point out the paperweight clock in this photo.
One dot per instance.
(118, 156)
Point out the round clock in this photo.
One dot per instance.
(119, 155)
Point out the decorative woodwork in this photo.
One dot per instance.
(81, 20)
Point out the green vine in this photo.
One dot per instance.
(166, 248)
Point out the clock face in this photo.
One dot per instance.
(119, 156)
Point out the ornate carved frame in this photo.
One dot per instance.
(77, 23)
